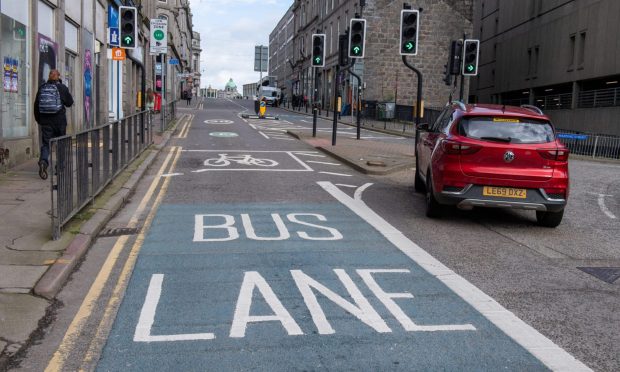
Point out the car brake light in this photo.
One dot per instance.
(554, 154)
(459, 148)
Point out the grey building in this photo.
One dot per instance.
(562, 56)
(384, 74)
(196, 51)
(249, 90)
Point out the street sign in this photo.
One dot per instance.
(261, 56)
(118, 54)
(159, 36)
(113, 36)
(173, 61)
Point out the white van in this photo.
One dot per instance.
(271, 94)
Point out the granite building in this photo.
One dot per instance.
(385, 77)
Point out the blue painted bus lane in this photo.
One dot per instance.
(292, 287)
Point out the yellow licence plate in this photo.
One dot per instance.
(504, 192)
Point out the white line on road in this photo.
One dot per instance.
(337, 174)
(171, 174)
(313, 155)
(322, 162)
(601, 204)
(541, 347)
(263, 134)
(345, 185)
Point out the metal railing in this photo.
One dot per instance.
(589, 144)
(599, 98)
(168, 113)
(83, 164)
(554, 101)
(404, 117)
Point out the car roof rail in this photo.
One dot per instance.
(533, 108)
(461, 105)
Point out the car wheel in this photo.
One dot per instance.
(433, 208)
(418, 184)
(549, 219)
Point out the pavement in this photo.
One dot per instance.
(33, 267)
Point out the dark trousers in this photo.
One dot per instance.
(47, 133)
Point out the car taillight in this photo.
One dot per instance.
(554, 154)
(459, 148)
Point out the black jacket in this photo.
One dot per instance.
(52, 119)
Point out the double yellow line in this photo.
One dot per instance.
(89, 303)
(186, 124)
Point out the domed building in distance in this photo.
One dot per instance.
(230, 91)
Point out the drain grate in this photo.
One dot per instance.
(606, 274)
(119, 231)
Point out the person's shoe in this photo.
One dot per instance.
(43, 169)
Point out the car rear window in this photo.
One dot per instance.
(505, 129)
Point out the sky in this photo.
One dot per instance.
(229, 30)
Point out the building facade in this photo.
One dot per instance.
(71, 36)
(196, 51)
(249, 90)
(385, 77)
(561, 56)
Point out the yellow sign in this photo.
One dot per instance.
(505, 120)
(422, 111)
(118, 54)
(339, 105)
(262, 109)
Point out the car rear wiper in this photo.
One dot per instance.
(497, 139)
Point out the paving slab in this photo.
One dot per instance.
(20, 315)
(13, 276)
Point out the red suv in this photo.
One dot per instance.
(493, 156)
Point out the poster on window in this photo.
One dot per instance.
(48, 50)
(6, 74)
(88, 68)
(14, 75)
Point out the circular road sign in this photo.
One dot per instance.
(158, 35)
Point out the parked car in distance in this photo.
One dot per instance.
(493, 156)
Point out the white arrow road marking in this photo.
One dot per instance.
(553, 356)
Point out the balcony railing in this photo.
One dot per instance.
(599, 98)
(554, 101)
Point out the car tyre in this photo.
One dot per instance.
(433, 208)
(549, 219)
(418, 183)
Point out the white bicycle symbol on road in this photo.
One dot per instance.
(225, 160)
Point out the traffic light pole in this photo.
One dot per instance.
(462, 92)
(418, 110)
(335, 123)
(314, 105)
(359, 97)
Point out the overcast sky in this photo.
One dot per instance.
(229, 30)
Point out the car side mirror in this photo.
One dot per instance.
(423, 127)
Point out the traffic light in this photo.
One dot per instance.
(357, 38)
(409, 25)
(454, 59)
(471, 49)
(128, 26)
(318, 50)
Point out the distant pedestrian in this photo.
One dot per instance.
(188, 97)
(150, 100)
(49, 112)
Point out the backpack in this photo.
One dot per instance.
(49, 99)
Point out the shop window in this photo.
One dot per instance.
(14, 48)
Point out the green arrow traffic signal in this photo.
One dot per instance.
(127, 40)
(470, 68)
(356, 50)
(317, 60)
(409, 46)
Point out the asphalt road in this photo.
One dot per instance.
(260, 253)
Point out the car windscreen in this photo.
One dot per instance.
(507, 129)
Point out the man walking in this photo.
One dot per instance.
(49, 112)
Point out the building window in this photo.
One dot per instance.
(45, 19)
(69, 80)
(582, 49)
(71, 36)
(536, 59)
(571, 52)
(529, 63)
